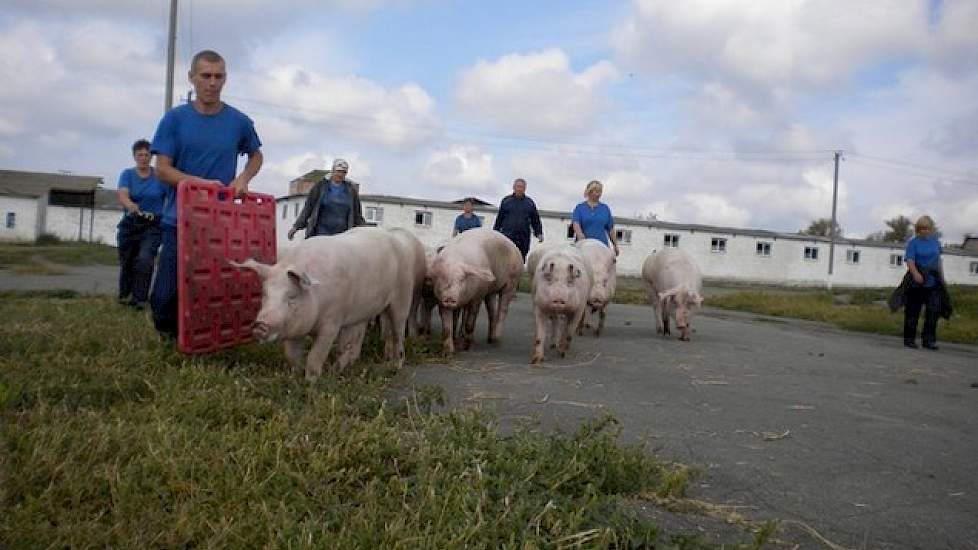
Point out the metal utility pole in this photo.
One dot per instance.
(835, 197)
(171, 45)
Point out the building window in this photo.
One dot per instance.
(295, 210)
(811, 253)
(285, 211)
(764, 249)
(11, 220)
(422, 218)
(570, 230)
(671, 239)
(374, 214)
(896, 260)
(973, 268)
(624, 236)
(718, 244)
(852, 256)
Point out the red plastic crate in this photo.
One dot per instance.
(218, 303)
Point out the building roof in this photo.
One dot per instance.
(634, 222)
(37, 184)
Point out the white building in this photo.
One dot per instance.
(75, 208)
(66, 206)
(722, 253)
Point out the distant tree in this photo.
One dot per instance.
(820, 227)
(900, 229)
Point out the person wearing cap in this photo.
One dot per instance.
(467, 219)
(517, 216)
(592, 218)
(332, 206)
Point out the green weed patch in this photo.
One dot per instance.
(110, 438)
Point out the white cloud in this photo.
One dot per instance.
(534, 94)
(713, 210)
(459, 167)
(401, 117)
(769, 42)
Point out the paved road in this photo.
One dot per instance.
(872, 445)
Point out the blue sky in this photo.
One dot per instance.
(706, 111)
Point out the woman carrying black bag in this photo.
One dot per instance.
(926, 285)
(142, 195)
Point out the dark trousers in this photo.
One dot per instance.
(522, 241)
(164, 298)
(917, 298)
(138, 244)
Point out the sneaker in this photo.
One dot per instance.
(910, 344)
(931, 346)
(138, 306)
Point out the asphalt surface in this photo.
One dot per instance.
(870, 444)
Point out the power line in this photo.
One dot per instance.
(914, 166)
(572, 148)
(957, 180)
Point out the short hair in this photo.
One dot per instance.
(140, 144)
(924, 222)
(519, 180)
(591, 185)
(468, 201)
(207, 55)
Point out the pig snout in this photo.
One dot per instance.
(263, 332)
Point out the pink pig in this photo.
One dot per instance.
(561, 284)
(330, 287)
(479, 265)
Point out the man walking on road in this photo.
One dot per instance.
(517, 216)
(199, 139)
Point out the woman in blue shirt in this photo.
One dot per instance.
(592, 218)
(923, 259)
(138, 236)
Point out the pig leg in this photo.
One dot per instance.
(540, 335)
(505, 297)
(449, 318)
(601, 316)
(665, 322)
(582, 325)
(349, 342)
(397, 315)
(492, 310)
(320, 350)
(293, 352)
(471, 315)
(657, 310)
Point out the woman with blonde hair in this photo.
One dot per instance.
(592, 218)
(923, 260)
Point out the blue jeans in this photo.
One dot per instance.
(138, 244)
(164, 298)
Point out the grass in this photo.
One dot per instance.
(49, 256)
(110, 438)
(863, 312)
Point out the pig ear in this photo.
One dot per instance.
(480, 273)
(671, 293)
(300, 279)
(260, 269)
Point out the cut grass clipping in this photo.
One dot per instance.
(112, 439)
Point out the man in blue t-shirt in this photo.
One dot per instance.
(200, 139)
(467, 219)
